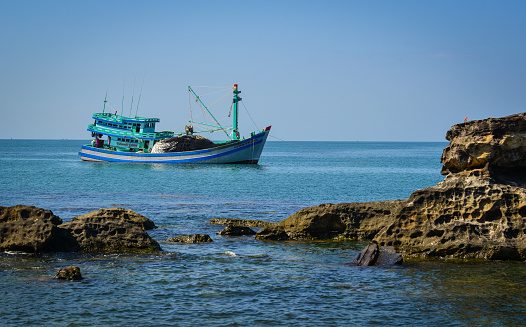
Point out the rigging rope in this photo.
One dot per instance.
(325, 154)
(257, 128)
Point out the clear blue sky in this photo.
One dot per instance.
(314, 70)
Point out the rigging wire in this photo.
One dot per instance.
(325, 154)
(140, 95)
(257, 128)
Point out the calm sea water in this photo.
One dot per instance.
(239, 281)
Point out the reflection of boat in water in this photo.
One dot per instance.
(134, 139)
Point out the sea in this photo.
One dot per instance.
(240, 281)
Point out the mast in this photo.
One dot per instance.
(104, 108)
(235, 132)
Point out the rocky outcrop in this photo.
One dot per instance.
(34, 230)
(106, 233)
(192, 238)
(30, 229)
(478, 211)
(334, 221)
(69, 273)
(183, 143)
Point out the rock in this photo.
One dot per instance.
(236, 231)
(334, 221)
(496, 144)
(120, 214)
(192, 238)
(478, 211)
(30, 229)
(374, 255)
(461, 217)
(183, 143)
(35, 230)
(240, 222)
(104, 233)
(69, 273)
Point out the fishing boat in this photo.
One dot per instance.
(119, 138)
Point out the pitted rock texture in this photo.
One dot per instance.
(495, 143)
(462, 217)
(478, 211)
(120, 214)
(35, 230)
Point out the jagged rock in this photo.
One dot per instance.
(495, 144)
(69, 273)
(192, 238)
(120, 214)
(240, 222)
(478, 211)
(374, 255)
(231, 230)
(183, 143)
(462, 217)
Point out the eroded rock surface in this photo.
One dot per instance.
(33, 230)
(478, 211)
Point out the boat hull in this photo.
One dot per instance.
(238, 152)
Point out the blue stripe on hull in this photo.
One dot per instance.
(225, 156)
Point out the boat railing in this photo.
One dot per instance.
(129, 133)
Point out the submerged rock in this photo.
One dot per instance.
(236, 231)
(478, 211)
(69, 273)
(374, 255)
(192, 238)
(240, 222)
(183, 143)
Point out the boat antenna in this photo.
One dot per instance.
(104, 108)
(140, 95)
(122, 105)
(131, 105)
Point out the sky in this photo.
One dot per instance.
(314, 70)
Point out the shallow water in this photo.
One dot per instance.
(239, 281)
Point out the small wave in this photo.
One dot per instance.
(230, 254)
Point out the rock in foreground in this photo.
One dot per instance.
(35, 230)
(69, 273)
(478, 211)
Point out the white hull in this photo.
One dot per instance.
(246, 151)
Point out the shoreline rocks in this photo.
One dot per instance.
(478, 211)
(192, 238)
(35, 230)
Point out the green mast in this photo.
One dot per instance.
(235, 132)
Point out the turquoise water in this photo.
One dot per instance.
(239, 281)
